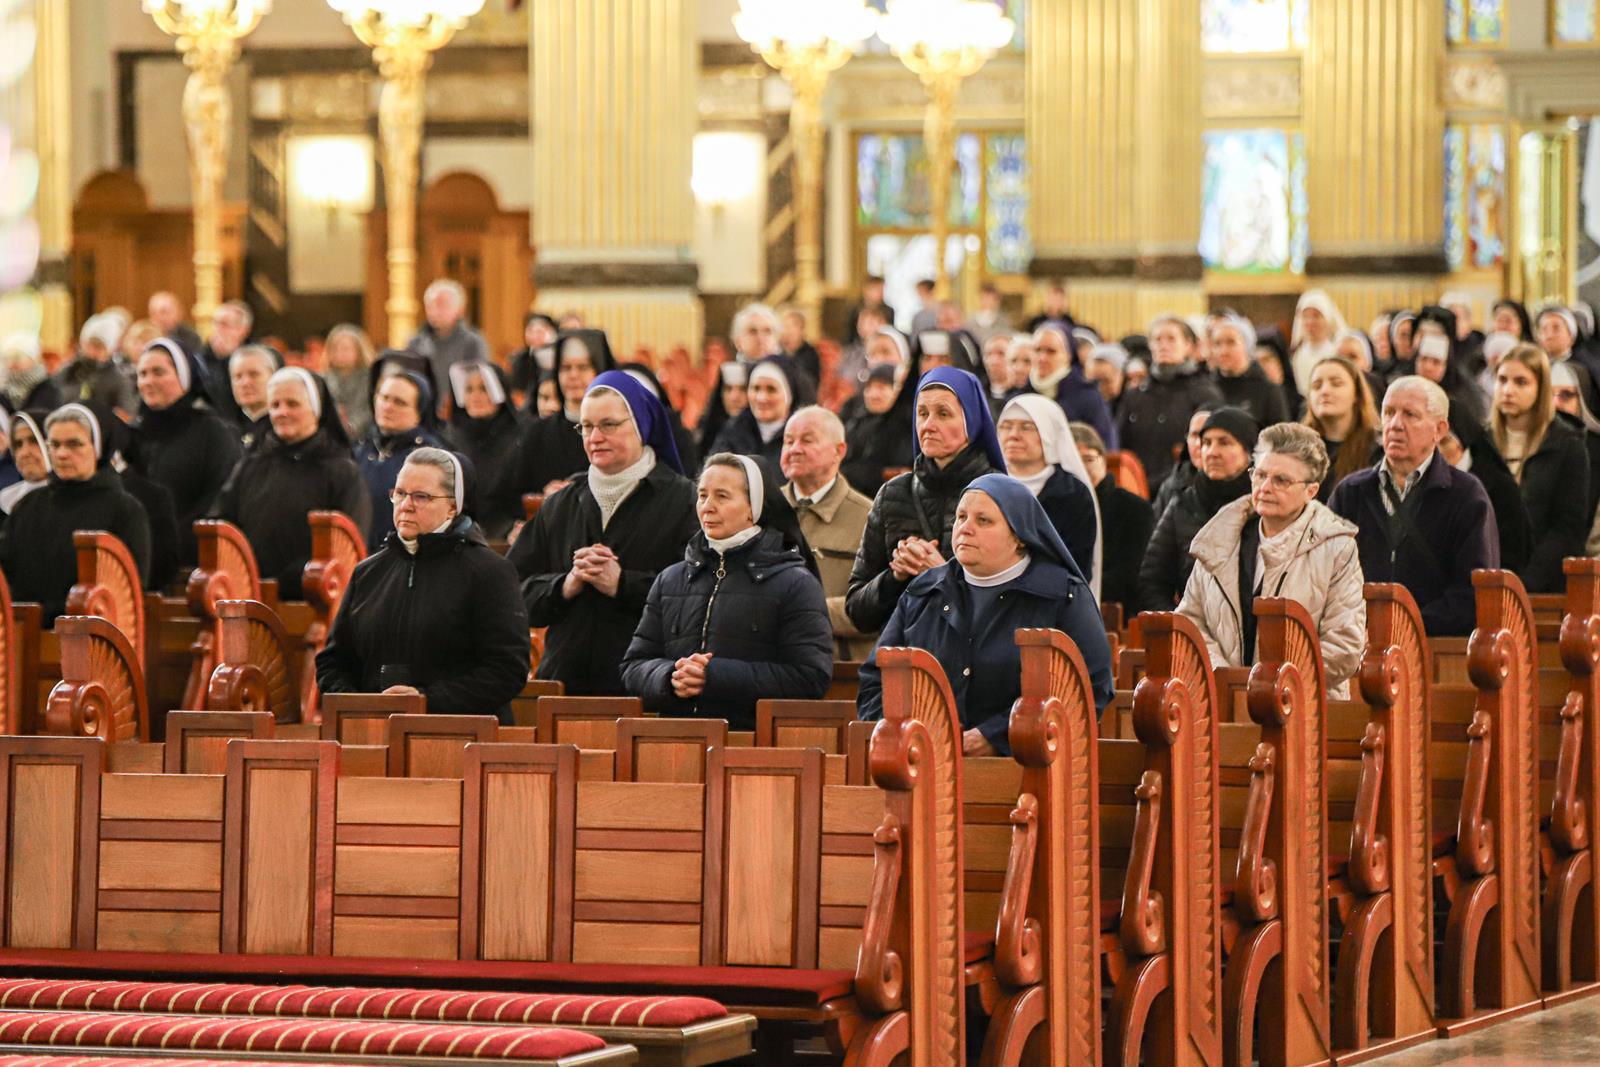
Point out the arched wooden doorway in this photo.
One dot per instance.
(462, 233)
(123, 250)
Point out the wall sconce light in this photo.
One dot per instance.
(726, 168)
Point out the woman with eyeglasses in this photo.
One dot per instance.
(1279, 541)
(589, 557)
(435, 611)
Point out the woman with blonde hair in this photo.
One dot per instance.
(350, 354)
(1341, 409)
(1549, 461)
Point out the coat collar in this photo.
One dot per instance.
(826, 508)
(1216, 546)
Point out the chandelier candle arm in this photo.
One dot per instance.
(208, 33)
(403, 35)
(806, 43)
(943, 42)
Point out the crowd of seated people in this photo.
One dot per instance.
(935, 479)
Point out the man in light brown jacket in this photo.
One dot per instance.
(832, 515)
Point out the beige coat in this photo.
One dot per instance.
(1323, 573)
(833, 529)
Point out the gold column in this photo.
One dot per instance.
(53, 143)
(613, 117)
(400, 111)
(1113, 127)
(1374, 128)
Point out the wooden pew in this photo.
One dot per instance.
(336, 547)
(524, 705)
(1489, 966)
(804, 723)
(846, 681)
(434, 746)
(588, 722)
(359, 718)
(12, 662)
(255, 669)
(108, 584)
(226, 571)
(1570, 921)
(1167, 1002)
(197, 741)
(101, 692)
(1384, 981)
(666, 750)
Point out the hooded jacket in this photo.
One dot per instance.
(760, 612)
(446, 619)
(1322, 573)
(975, 643)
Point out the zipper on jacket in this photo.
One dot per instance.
(705, 624)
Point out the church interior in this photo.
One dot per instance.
(874, 677)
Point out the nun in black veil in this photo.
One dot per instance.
(488, 428)
(552, 451)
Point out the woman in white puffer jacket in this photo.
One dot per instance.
(1280, 542)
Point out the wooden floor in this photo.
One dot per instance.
(1560, 1037)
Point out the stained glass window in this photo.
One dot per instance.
(1016, 10)
(1006, 237)
(1252, 25)
(892, 181)
(1475, 195)
(1253, 201)
(1474, 22)
(1575, 21)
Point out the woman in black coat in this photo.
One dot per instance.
(877, 420)
(1549, 461)
(757, 431)
(1470, 447)
(488, 428)
(552, 452)
(179, 442)
(434, 611)
(588, 559)
(908, 529)
(1010, 571)
(84, 493)
(304, 465)
(742, 618)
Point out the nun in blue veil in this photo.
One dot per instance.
(1011, 571)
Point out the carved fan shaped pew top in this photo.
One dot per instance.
(336, 547)
(227, 569)
(101, 692)
(254, 663)
(108, 584)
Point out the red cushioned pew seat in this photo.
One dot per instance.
(680, 1030)
(346, 1040)
(131, 1061)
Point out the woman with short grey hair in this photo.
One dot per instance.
(1279, 541)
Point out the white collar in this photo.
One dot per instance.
(816, 498)
(1035, 482)
(724, 545)
(1009, 574)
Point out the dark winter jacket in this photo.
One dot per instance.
(979, 654)
(36, 548)
(102, 386)
(759, 611)
(1154, 418)
(448, 620)
(380, 457)
(742, 437)
(875, 442)
(921, 503)
(1555, 490)
(274, 487)
(1070, 506)
(1126, 522)
(494, 445)
(1167, 563)
(218, 385)
(589, 633)
(1260, 397)
(1433, 547)
(191, 451)
(552, 451)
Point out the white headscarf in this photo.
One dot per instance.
(1563, 374)
(460, 373)
(1303, 355)
(1060, 450)
(756, 487)
(84, 415)
(770, 372)
(306, 382)
(17, 490)
(180, 361)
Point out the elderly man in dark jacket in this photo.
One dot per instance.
(1226, 441)
(1422, 523)
(588, 559)
(446, 338)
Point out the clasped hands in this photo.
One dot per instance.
(912, 556)
(689, 675)
(594, 565)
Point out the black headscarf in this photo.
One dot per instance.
(964, 351)
(402, 364)
(595, 341)
(1525, 323)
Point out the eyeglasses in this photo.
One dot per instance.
(418, 500)
(1280, 482)
(607, 427)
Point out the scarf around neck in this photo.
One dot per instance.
(610, 490)
(1035, 482)
(723, 545)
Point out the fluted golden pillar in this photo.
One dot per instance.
(613, 116)
(1374, 126)
(53, 143)
(1113, 126)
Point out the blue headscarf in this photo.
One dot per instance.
(1027, 519)
(648, 414)
(974, 404)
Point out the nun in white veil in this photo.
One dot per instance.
(1040, 453)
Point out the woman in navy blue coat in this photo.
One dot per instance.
(743, 617)
(1011, 571)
